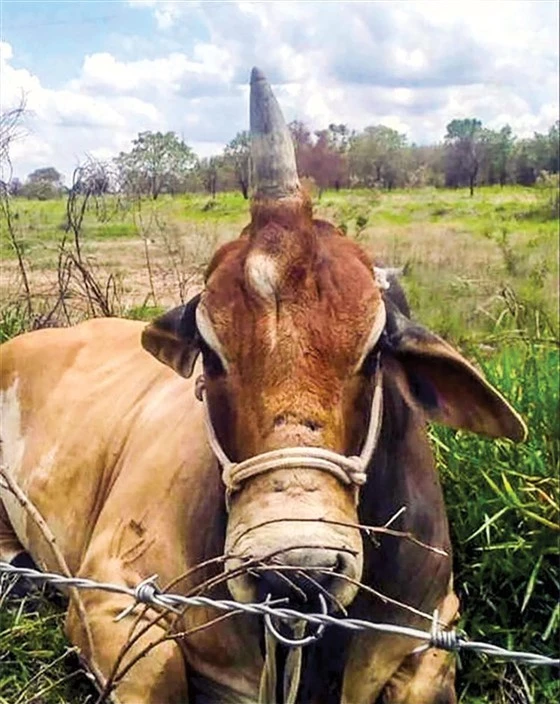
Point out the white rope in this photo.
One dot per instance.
(348, 470)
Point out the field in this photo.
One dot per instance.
(482, 272)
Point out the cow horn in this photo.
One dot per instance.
(274, 171)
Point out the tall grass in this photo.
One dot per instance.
(503, 507)
(484, 273)
(37, 666)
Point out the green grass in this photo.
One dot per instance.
(112, 231)
(481, 271)
(37, 665)
(144, 312)
(502, 502)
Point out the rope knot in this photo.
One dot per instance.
(356, 470)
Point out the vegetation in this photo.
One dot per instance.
(481, 271)
(502, 502)
(156, 162)
(336, 157)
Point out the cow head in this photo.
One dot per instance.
(296, 335)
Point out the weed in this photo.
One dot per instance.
(503, 502)
(36, 664)
(484, 274)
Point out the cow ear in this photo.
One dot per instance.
(447, 387)
(172, 338)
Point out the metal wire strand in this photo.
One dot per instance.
(148, 593)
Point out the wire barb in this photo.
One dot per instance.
(144, 593)
(443, 640)
(295, 642)
(147, 592)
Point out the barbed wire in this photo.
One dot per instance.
(147, 592)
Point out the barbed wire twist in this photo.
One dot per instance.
(147, 592)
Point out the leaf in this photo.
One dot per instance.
(531, 583)
(550, 626)
(510, 492)
(488, 522)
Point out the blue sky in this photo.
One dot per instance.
(95, 73)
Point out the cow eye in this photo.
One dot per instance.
(370, 364)
(211, 361)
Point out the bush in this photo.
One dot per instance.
(502, 502)
(39, 190)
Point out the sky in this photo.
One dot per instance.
(95, 73)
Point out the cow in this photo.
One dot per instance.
(234, 446)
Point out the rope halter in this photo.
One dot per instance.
(348, 470)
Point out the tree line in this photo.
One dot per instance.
(335, 157)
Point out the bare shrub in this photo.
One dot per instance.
(84, 290)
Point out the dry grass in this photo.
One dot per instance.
(483, 272)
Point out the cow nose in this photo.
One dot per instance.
(300, 574)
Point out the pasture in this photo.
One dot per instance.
(482, 272)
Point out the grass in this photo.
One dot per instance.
(503, 504)
(37, 666)
(483, 272)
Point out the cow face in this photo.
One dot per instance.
(294, 336)
(290, 317)
(288, 325)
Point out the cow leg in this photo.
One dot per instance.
(428, 677)
(157, 678)
(12, 551)
(10, 546)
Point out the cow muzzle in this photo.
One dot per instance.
(298, 548)
(292, 517)
(302, 574)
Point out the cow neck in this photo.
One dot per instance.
(349, 470)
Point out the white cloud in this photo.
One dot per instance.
(103, 72)
(351, 62)
(413, 66)
(64, 124)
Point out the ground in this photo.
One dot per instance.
(481, 271)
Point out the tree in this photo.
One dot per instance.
(546, 147)
(465, 145)
(377, 157)
(499, 147)
(48, 174)
(322, 156)
(425, 165)
(554, 146)
(325, 163)
(155, 163)
(525, 169)
(42, 184)
(15, 186)
(340, 137)
(301, 136)
(207, 170)
(237, 154)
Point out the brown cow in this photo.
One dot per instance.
(318, 389)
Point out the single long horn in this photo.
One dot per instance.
(274, 172)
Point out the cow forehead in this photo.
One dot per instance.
(328, 294)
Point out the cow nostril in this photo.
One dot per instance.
(312, 425)
(309, 423)
(301, 576)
